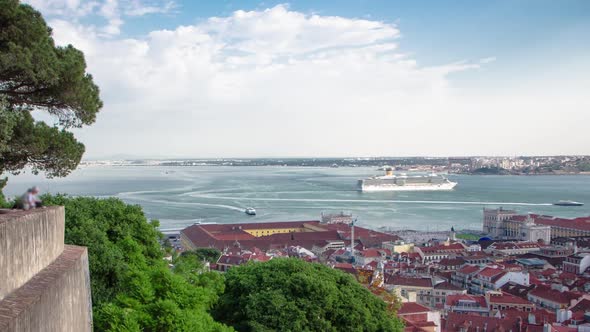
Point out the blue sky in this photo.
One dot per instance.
(513, 30)
(444, 77)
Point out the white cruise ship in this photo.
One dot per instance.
(403, 182)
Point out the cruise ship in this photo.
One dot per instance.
(403, 182)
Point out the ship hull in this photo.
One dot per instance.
(569, 204)
(384, 187)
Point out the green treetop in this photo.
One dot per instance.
(293, 295)
(133, 288)
(36, 75)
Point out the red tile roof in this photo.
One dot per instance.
(472, 323)
(553, 295)
(408, 308)
(489, 272)
(372, 265)
(224, 235)
(517, 289)
(583, 305)
(505, 298)
(541, 316)
(452, 261)
(454, 247)
(370, 253)
(581, 223)
(411, 326)
(548, 272)
(469, 269)
(558, 328)
(503, 246)
(405, 281)
(453, 299)
(475, 254)
(346, 267)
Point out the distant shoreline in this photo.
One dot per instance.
(326, 166)
(524, 174)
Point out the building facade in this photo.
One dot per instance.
(577, 264)
(508, 224)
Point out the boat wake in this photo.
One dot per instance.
(367, 201)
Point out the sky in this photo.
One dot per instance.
(209, 79)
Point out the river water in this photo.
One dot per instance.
(179, 196)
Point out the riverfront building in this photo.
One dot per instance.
(310, 234)
(508, 224)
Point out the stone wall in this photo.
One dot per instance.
(45, 284)
(29, 241)
(55, 299)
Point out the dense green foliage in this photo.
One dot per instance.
(133, 289)
(35, 75)
(210, 255)
(467, 236)
(490, 171)
(292, 295)
(3, 202)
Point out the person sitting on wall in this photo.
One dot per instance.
(29, 199)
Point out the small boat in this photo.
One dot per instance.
(568, 203)
(250, 211)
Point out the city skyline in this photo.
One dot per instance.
(272, 79)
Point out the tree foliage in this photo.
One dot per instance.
(293, 295)
(210, 255)
(133, 289)
(36, 75)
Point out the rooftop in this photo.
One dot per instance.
(408, 308)
(506, 298)
(405, 281)
(443, 248)
(469, 269)
(447, 286)
(311, 233)
(553, 295)
(457, 299)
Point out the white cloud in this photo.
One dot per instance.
(112, 11)
(488, 59)
(283, 83)
(139, 8)
(72, 8)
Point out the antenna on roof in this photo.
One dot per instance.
(352, 237)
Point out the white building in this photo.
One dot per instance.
(577, 263)
(507, 224)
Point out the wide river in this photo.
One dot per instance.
(179, 196)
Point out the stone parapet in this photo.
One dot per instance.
(29, 242)
(55, 299)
